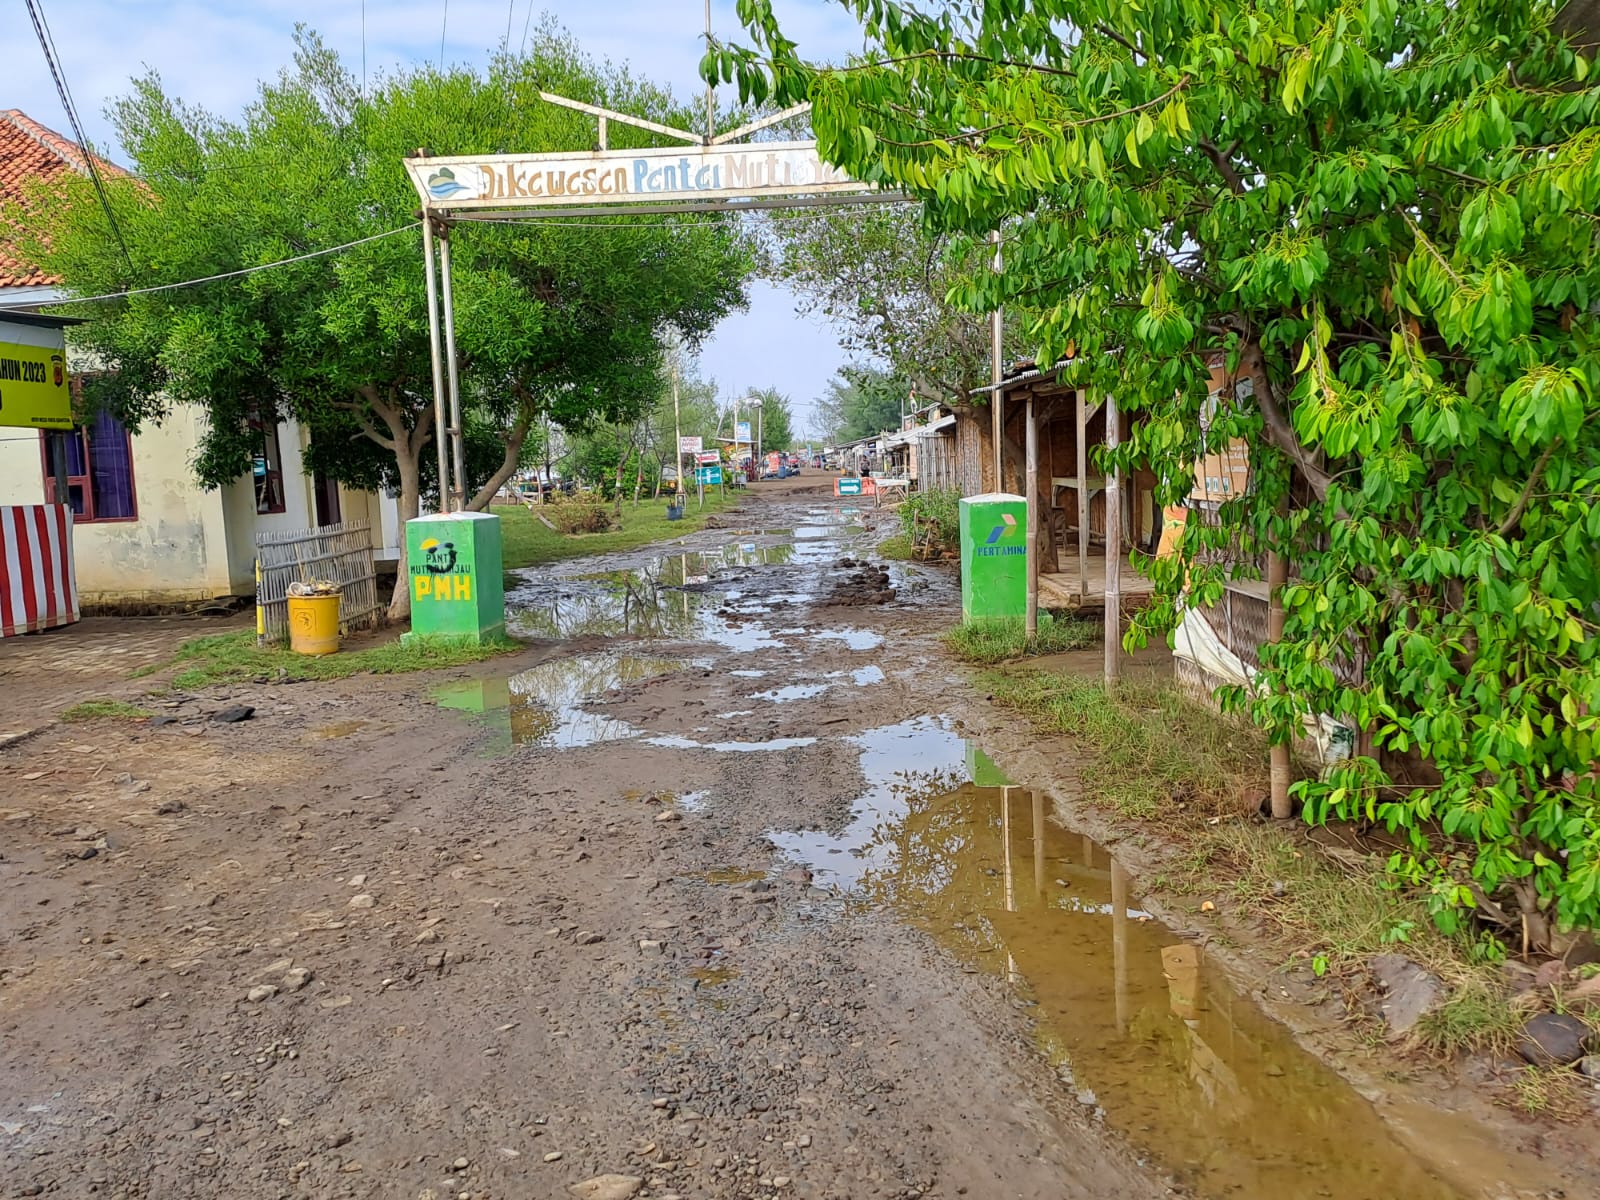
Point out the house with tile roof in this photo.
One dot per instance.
(145, 534)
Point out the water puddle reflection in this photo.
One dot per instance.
(543, 705)
(1186, 1068)
(672, 742)
(854, 639)
(669, 597)
(793, 692)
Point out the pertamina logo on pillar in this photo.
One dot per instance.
(440, 576)
(994, 545)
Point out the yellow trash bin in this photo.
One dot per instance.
(314, 624)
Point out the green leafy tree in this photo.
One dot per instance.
(862, 401)
(882, 279)
(1382, 213)
(562, 323)
(776, 423)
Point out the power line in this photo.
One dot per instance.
(47, 44)
(169, 287)
(443, 25)
(511, 7)
(526, 22)
(363, 49)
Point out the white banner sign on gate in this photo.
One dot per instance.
(689, 445)
(747, 172)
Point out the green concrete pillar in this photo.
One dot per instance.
(994, 556)
(457, 588)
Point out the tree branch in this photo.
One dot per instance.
(1084, 123)
(1517, 509)
(514, 439)
(1219, 159)
(1107, 31)
(1279, 431)
(369, 397)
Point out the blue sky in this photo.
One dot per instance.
(212, 53)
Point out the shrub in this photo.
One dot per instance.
(939, 506)
(580, 517)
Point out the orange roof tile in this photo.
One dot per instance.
(30, 151)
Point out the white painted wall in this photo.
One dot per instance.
(188, 543)
(177, 549)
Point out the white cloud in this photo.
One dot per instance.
(213, 54)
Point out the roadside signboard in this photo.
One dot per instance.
(846, 486)
(710, 456)
(710, 476)
(689, 445)
(687, 173)
(741, 431)
(33, 384)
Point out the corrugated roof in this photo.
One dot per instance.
(30, 151)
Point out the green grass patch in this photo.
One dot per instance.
(897, 547)
(995, 641)
(1147, 751)
(1477, 1017)
(235, 658)
(1554, 1092)
(105, 710)
(527, 541)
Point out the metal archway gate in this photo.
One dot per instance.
(717, 173)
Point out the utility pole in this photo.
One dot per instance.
(677, 431)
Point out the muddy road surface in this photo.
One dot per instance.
(704, 894)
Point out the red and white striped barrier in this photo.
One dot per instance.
(38, 585)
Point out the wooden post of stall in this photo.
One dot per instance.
(1083, 498)
(1038, 841)
(1030, 619)
(1277, 576)
(1119, 944)
(1113, 547)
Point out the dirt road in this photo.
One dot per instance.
(702, 895)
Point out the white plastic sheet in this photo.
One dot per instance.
(1195, 640)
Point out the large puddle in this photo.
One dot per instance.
(544, 705)
(719, 595)
(1159, 1044)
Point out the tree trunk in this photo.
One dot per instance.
(407, 446)
(622, 461)
(514, 439)
(407, 458)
